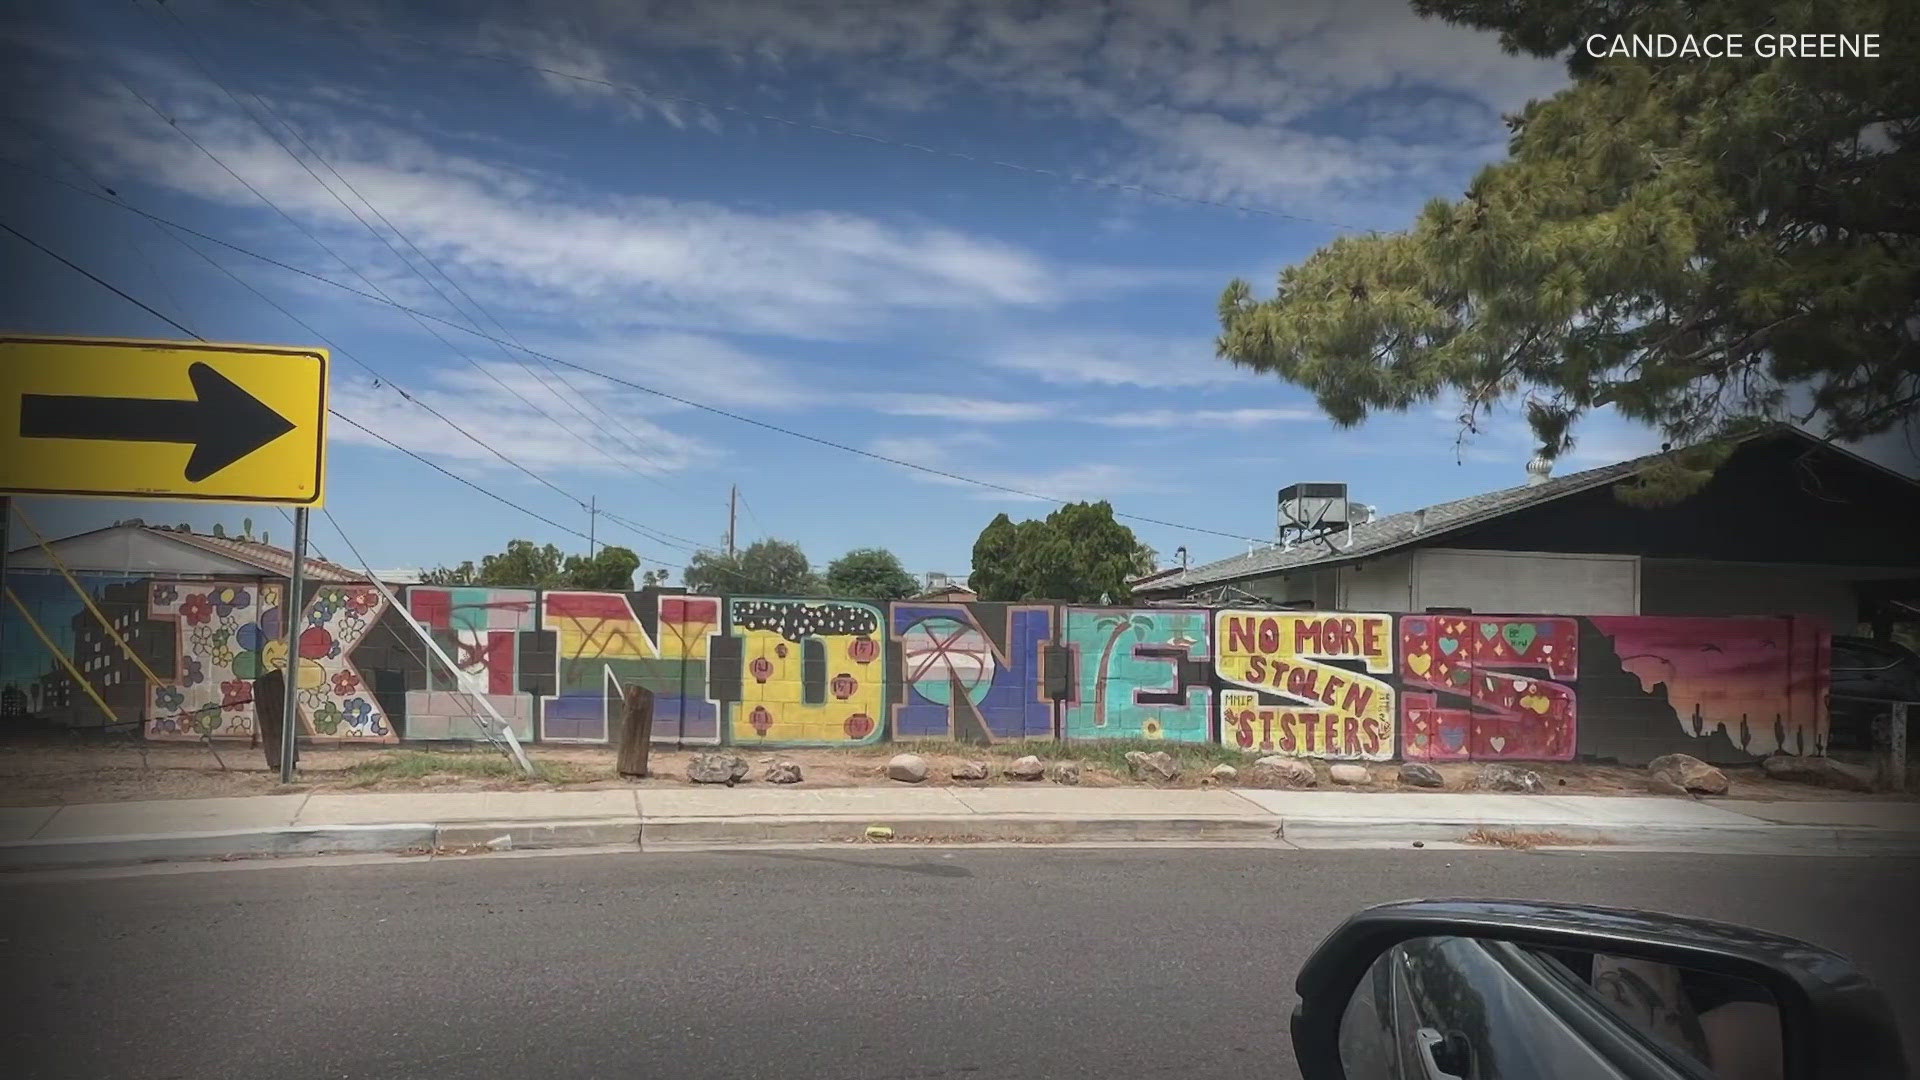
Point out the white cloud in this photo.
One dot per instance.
(947, 407)
(967, 454)
(1198, 419)
(1116, 359)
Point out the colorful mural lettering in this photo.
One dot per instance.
(492, 637)
(1483, 688)
(1138, 674)
(228, 633)
(1309, 682)
(971, 672)
(812, 672)
(1761, 684)
(603, 645)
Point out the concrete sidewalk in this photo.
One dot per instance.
(656, 818)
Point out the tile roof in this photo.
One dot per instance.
(276, 561)
(1393, 531)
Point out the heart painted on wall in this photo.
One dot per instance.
(1520, 635)
(1449, 645)
(1498, 742)
(1420, 663)
(1453, 738)
(1537, 704)
(1489, 630)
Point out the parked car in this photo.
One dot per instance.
(1518, 990)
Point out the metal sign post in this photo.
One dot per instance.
(290, 714)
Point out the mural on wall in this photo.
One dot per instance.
(971, 672)
(1138, 673)
(228, 633)
(812, 671)
(603, 645)
(1484, 688)
(1758, 684)
(37, 688)
(491, 636)
(1310, 683)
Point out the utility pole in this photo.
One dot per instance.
(296, 584)
(593, 515)
(733, 501)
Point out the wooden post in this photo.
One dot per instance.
(636, 732)
(269, 713)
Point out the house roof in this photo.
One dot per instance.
(1415, 527)
(137, 548)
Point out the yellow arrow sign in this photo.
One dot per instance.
(163, 420)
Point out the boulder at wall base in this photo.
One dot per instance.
(1158, 765)
(1280, 771)
(717, 769)
(1508, 778)
(782, 772)
(1224, 773)
(1421, 774)
(1026, 768)
(1350, 775)
(1064, 772)
(1689, 773)
(1822, 771)
(971, 770)
(907, 768)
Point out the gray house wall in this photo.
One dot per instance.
(1688, 587)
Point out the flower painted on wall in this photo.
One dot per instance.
(196, 609)
(326, 718)
(201, 639)
(357, 710)
(229, 598)
(312, 697)
(221, 654)
(236, 694)
(345, 683)
(352, 625)
(168, 698)
(165, 594)
(361, 601)
(205, 719)
(192, 672)
(260, 631)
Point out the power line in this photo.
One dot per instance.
(109, 286)
(207, 71)
(689, 402)
(685, 99)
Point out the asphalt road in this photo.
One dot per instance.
(907, 964)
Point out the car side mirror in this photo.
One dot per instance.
(1485, 989)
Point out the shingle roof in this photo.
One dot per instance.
(1385, 534)
(277, 561)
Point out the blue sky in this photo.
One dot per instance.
(719, 233)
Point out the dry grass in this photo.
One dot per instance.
(1520, 840)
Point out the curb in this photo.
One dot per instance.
(1033, 828)
(680, 833)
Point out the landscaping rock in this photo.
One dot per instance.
(1350, 774)
(717, 768)
(1421, 774)
(1661, 784)
(1224, 773)
(1508, 778)
(1822, 771)
(971, 770)
(1158, 765)
(907, 768)
(1026, 768)
(1689, 773)
(1280, 771)
(1064, 772)
(782, 772)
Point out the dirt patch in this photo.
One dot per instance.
(42, 773)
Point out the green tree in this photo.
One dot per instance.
(1703, 245)
(869, 574)
(763, 568)
(1078, 554)
(523, 565)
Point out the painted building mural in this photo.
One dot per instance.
(813, 671)
(1310, 682)
(1483, 689)
(772, 671)
(972, 672)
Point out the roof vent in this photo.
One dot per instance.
(1312, 509)
(1538, 470)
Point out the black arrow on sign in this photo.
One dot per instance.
(222, 423)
